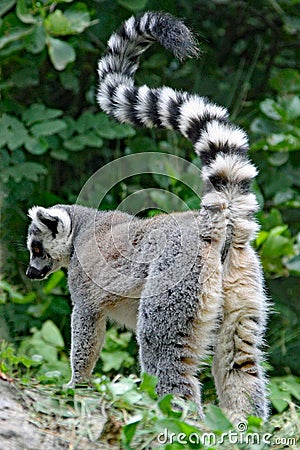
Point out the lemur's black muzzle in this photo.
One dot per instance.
(36, 274)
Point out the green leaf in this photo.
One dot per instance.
(36, 146)
(166, 202)
(271, 109)
(115, 360)
(73, 21)
(71, 127)
(121, 387)
(286, 80)
(277, 181)
(13, 132)
(61, 53)
(92, 140)
(37, 112)
(5, 6)
(277, 231)
(28, 76)
(282, 197)
(133, 5)
(5, 160)
(109, 129)
(279, 399)
(293, 265)
(85, 122)
(128, 432)
(148, 384)
(292, 24)
(36, 41)
(258, 194)
(216, 419)
(32, 171)
(278, 158)
(52, 375)
(28, 170)
(115, 341)
(138, 143)
(165, 405)
(271, 220)
(47, 351)
(23, 299)
(17, 134)
(69, 81)
(48, 128)
(51, 334)
(254, 423)
(59, 154)
(23, 12)
(261, 237)
(15, 36)
(58, 24)
(53, 281)
(292, 385)
(76, 143)
(27, 362)
(4, 127)
(277, 245)
(283, 142)
(78, 16)
(263, 126)
(287, 109)
(131, 398)
(15, 296)
(17, 157)
(291, 105)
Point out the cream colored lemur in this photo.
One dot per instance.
(189, 283)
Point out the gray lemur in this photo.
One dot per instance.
(189, 283)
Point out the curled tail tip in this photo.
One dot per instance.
(164, 28)
(174, 35)
(137, 33)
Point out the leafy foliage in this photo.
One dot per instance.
(132, 416)
(53, 137)
(115, 355)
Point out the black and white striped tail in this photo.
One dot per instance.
(222, 146)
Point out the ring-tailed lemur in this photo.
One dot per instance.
(202, 289)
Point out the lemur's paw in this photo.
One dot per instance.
(69, 385)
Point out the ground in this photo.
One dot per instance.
(31, 420)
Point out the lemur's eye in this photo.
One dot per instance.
(37, 251)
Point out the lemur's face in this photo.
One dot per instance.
(41, 264)
(48, 241)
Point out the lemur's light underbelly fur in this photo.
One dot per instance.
(199, 292)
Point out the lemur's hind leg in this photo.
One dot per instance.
(168, 348)
(239, 377)
(179, 310)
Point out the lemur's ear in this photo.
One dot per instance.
(56, 220)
